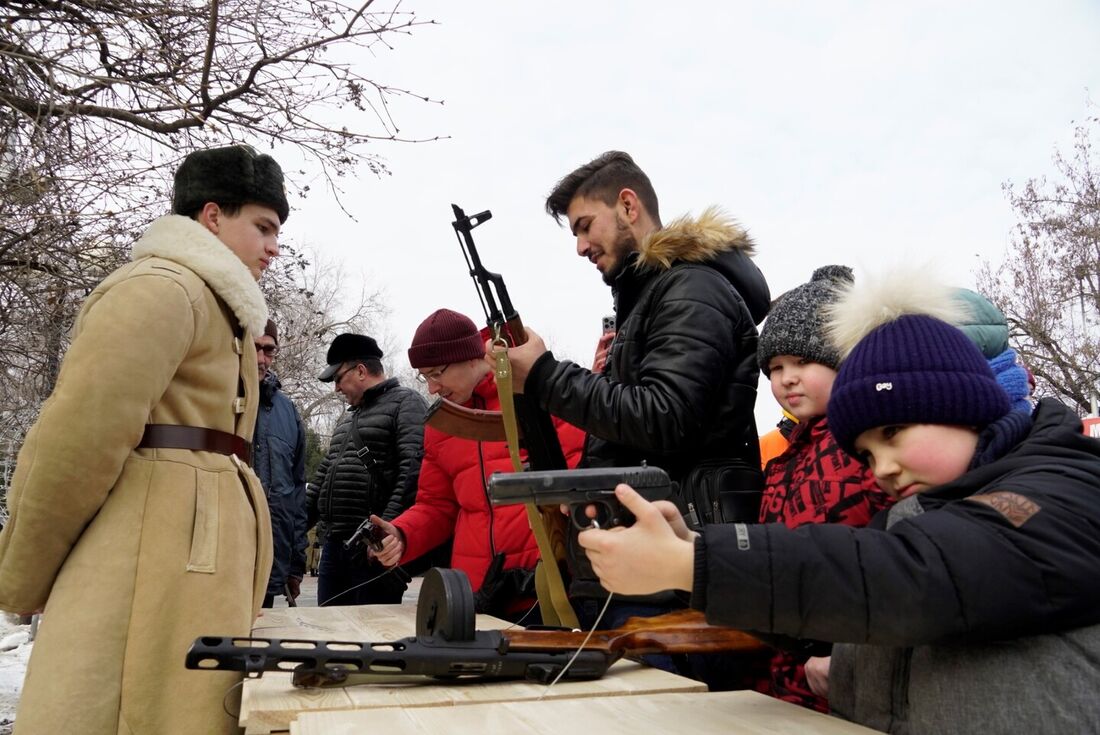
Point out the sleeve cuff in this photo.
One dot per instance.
(540, 372)
(699, 583)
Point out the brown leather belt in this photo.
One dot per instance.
(171, 436)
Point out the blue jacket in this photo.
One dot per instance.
(279, 459)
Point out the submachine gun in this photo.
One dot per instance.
(446, 646)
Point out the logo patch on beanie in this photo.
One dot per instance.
(884, 386)
(1014, 507)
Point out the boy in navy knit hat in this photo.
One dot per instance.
(972, 604)
(813, 480)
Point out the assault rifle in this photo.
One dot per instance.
(581, 488)
(535, 427)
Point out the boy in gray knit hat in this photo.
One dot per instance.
(813, 480)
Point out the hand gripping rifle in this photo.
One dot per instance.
(446, 646)
(539, 437)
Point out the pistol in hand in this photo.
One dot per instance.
(367, 535)
(582, 488)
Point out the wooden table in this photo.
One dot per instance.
(720, 713)
(271, 704)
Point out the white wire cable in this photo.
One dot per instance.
(576, 653)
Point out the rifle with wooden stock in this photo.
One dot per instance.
(446, 646)
(536, 655)
(520, 422)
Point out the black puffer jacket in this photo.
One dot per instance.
(679, 386)
(1009, 549)
(390, 422)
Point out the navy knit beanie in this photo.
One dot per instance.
(445, 337)
(796, 322)
(913, 370)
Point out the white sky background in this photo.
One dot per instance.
(863, 133)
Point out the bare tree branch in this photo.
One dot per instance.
(1049, 283)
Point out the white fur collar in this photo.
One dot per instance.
(184, 241)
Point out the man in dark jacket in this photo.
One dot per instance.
(679, 386)
(279, 458)
(372, 467)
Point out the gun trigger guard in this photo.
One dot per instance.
(581, 519)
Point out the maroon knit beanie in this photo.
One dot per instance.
(445, 337)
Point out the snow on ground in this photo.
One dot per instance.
(15, 649)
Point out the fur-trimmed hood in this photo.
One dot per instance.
(183, 240)
(716, 240)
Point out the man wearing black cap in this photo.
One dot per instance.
(135, 518)
(372, 467)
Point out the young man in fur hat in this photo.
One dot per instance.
(135, 519)
(972, 604)
(679, 386)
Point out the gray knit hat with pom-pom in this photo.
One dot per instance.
(796, 323)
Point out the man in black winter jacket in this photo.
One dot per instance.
(372, 467)
(679, 385)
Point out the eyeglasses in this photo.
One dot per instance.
(433, 377)
(340, 375)
(269, 350)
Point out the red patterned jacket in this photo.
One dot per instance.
(813, 481)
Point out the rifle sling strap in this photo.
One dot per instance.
(553, 601)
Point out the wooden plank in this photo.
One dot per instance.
(270, 704)
(720, 713)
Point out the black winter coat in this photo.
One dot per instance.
(679, 386)
(346, 489)
(1009, 549)
(680, 383)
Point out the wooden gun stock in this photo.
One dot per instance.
(466, 423)
(681, 631)
(516, 331)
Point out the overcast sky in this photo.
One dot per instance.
(863, 133)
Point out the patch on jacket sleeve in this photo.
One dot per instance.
(1014, 507)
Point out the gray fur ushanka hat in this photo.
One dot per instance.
(234, 174)
(796, 323)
